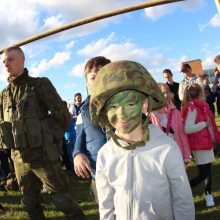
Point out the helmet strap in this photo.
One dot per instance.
(131, 144)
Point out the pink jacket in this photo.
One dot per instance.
(175, 122)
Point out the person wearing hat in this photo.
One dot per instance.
(188, 80)
(140, 173)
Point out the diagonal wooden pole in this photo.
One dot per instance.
(217, 2)
(92, 19)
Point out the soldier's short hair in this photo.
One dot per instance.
(217, 59)
(96, 62)
(16, 48)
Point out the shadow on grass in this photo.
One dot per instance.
(14, 199)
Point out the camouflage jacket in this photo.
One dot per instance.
(30, 111)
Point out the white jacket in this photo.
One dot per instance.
(148, 183)
(188, 82)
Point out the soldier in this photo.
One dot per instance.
(33, 120)
(140, 173)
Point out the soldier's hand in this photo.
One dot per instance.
(82, 166)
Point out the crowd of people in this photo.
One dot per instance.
(123, 137)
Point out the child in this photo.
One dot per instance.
(201, 131)
(140, 173)
(89, 138)
(170, 121)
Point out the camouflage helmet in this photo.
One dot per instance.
(119, 76)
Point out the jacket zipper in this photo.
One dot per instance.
(131, 185)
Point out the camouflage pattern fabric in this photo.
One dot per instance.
(38, 119)
(119, 76)
(40, 170)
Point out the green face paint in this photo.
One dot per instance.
(124, 111)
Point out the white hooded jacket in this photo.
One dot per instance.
(148, 183)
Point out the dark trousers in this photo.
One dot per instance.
(218, 104)
(4, 162)
(205, 174)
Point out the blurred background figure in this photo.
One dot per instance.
(173, 86)
(216, 86)
(209, 95)
(170, 122)
(75, 107)
(189, 79)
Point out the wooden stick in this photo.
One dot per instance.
(217, 2)
(92, 19)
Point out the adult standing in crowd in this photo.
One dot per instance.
(216, 86)
(210, 96)
(89, 138)
(33, 119)
(173, 86)
(75, 107)
(189, 79)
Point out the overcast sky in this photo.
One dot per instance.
(158, 37)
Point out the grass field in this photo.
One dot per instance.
(80, 192)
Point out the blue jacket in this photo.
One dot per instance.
(70, 134)
(89, 138)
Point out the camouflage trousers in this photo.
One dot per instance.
(36, 169)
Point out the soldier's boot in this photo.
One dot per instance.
(65, 204)
(33, 207)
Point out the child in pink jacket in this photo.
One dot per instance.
(170, 121)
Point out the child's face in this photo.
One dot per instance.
(90, 77)
(167, 94)
(124, 111)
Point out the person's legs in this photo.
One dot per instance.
(65, 156)
(206, 176)
(57, 182)
(4, 163)
(93, 191)
(218, 104)
(208, 187)
(30, 187)
(208, 179)
(203, 174)
(70, 147)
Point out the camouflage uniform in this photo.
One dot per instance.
(33, 120)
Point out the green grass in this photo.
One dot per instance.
(203, 213)
(80, 192)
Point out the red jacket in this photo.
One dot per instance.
(201, 140)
